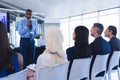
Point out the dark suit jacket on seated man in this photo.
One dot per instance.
(114, 42)
(99, 46)
(115, 46)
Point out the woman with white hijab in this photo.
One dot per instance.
(53, 54)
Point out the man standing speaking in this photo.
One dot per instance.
(27, 30)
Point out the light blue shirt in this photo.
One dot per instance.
(24, 31)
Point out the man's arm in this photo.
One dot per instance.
(37, 36)
(22, 28)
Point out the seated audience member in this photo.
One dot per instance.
(53, 54)
(114, 42)
(9, 60)
(81, 48)
(99, 46)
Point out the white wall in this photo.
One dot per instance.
(50, 22)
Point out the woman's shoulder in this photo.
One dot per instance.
(16, 55)
(43, 60)
(20, 60)
(19, 55)
(71, 48)
(44, 56)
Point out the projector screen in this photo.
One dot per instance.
(4, 17)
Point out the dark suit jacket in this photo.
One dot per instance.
(72, 53)
(115, 46)
(99, 47)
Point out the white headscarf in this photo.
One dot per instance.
(54, 39)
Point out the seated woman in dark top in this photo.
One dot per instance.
(81, 48)
(9, 60)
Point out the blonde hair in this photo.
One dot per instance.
(54, 39)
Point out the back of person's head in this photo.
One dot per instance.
(113, 29)
(81, 35)
(100, 27)
(81, 40)
(5, 49)
(54, 39)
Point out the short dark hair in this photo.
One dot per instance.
(29, 10)
(99, 26)
(113, 29)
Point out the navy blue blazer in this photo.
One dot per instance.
(72, 53)
(115, 46)
(100, 46)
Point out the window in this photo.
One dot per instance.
(65, 31)
(107, 20)
(88, 23)
(106, 17)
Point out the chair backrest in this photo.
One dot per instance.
(80, 69)
(99, 65)
(114, 61)
(58, 72)
(21, 75)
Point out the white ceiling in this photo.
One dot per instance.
(64, 8)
